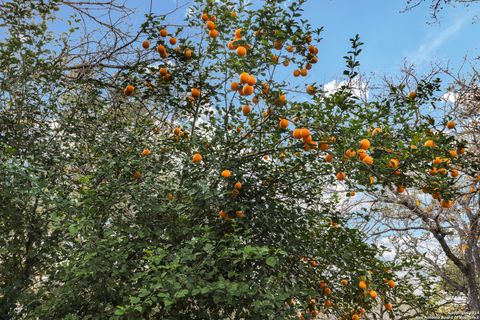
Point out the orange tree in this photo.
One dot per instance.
(186, 181)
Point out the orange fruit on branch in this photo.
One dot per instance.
(210, 25)
(197, 157)
(195, 92)
(283, 123)
(341, 176)
(365, 144)
(246, 109)
(241, 51)
(244, 77)
(226, 174)
(362, 285)
(128, 91)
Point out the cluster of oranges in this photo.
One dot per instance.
(312, 308)
(210, 24)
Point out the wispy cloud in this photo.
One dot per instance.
(431, 44)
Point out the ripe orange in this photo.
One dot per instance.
(393, 163)
(286, 62)
(412, 95)
(233, 14)
(296, 73)
(241, 51)
(197, 157)
(429, 143)
(251, 81)
(400, 189)
(275, 58)
(204, 16)
(173, 41)
(373, 294)
(289, 48)
(454, 173)
(136, 175)
(246, 109)
(283, 123)
(163, 32)
(128, 91)
(212, 18)
(304, 72)
(314, 60)
(341, 176)
(161, 49)
(244, 77)
(355, 317)
(323, 284)
(344, 282)
(224, 215)
(311, 90)
(146, 44)
(213, 33)
(308, 139)
(446, 203)
(388, 306)
(240, 214)
(238, 34)
(280, 100)
(226, 174)
(450, 124)
(210, 25)
(328, 303)
(297, 134)
(195, 92)
(328, 158)
(323, 146)
(372, 179)
(362, 285)
(238, 185)
(365, 144)
(247, 90)
(361, 154)
(234, 86)
(188, 53)
(177, 131)
(391, 283)
(327, 291)
(368, 160)
(304, 132)
(453, 153)
(146, 152)
(163, 71)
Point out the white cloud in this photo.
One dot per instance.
(450, 97)
(359, 88)
(429, 45)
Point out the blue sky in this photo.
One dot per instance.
(390, 37)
